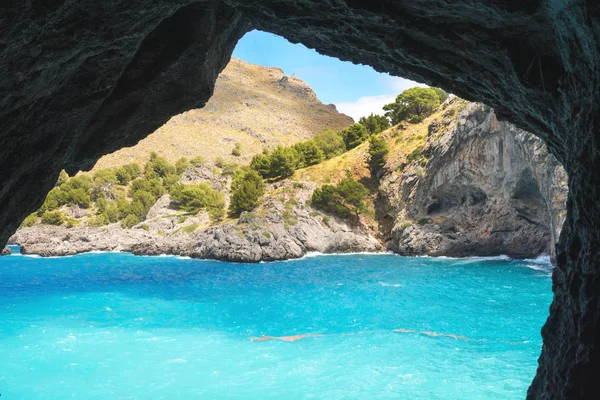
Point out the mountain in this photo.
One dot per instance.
(257, 107)
(460, 183)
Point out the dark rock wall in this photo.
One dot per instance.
(82, 78)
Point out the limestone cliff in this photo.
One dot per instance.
(284, 226)
(479, 187)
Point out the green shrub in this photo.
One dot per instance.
(62, 178)
(442, 95)
(74, 191)
(29, 221)
(170, 180)
(261, 163)
(346, 200)
(107, 174)
(53, 218)
(99, 220)
(413, 105)
(193, 198)
(153, 186)
(158, 167)
(145, 227)
(378, 150)
(182, 165)
(405, 225)
(331, 143)
(78, 197)
(308, 153)
(198, 161)
(216, 213)
(219, 161)
(77, 182)
(126, 173)
(246, 190)
(424, 221)
(71, 222)
(354, 135)
(415, 155)
(227, 168)
(54, 199)
(237, 150)
(123, 208)
(130, 221)
(111, 212)
(284, 161)
(182, 219)
(375, 123)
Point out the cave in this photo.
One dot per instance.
(81, 79)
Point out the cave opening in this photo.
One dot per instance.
(60, 73)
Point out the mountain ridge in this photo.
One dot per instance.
(255, 106)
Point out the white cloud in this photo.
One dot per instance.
(397, 84)
(365, 105)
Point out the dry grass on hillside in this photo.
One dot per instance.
(252, 105)
(402, 139)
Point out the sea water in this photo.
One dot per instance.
(117, 326)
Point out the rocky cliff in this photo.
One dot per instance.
(460, 183)
(284, 226)
(479, 187)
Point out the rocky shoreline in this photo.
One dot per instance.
(477, 187)
(284, 227)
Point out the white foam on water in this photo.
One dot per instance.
(385, 284)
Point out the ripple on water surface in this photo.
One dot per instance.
(112, 325)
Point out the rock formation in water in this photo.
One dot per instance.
(5, 251)
(81, 79)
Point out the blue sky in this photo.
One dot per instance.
(356, 90)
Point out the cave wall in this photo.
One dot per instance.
(82, 78)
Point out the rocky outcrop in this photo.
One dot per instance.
(480, 188)
(283, 227)
(52, 241)
(5, 252)
(81, 79)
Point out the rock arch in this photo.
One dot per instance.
(82, 78)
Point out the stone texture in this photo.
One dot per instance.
(479, 192)
(283, 227)
(5, 251)
(81, 78)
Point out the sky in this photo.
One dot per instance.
(356, 90)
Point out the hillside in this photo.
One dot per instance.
(459, 183)
(252, 105)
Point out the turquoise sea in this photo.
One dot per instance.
(117, 326)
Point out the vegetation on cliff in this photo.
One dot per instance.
(126, 193)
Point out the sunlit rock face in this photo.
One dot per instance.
(82, 78)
